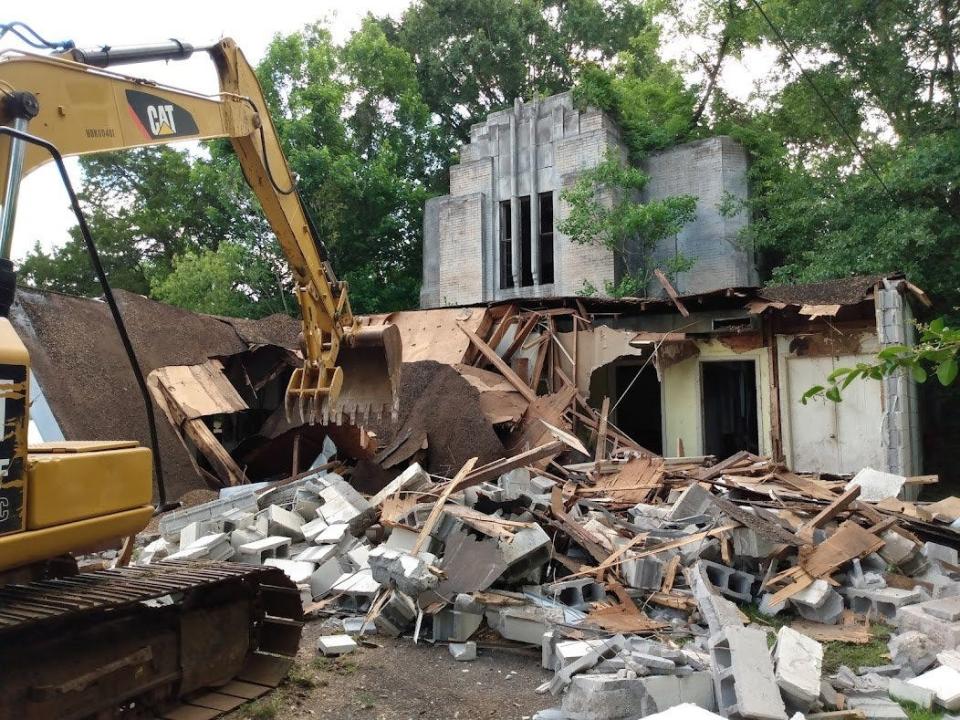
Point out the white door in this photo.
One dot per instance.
(833, 437)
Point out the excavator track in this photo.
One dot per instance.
(179, 640)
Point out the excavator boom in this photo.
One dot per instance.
(83, 107)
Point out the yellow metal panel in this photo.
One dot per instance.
(79, 446)
(14, 391)
(35, 545)
(64, 487)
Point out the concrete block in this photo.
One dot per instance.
(463, 652)
(669, 691)
(903, 691)
(189, 534)
(568, 651)
(173, 522)
(527, 624)
(343, 504)
(882, 602)
(298, 571)
(155, 551)
(244, 536)
(413, 478)
(279, 522)
(215, 546)
(608, 647)
(269, 547)
(931, 619)
(333, 645)
(317, 554)
(744, 680)
(311, 529)
(798, 662)
(945, 682)
(731, 583)
(694, 501)
(718, 612)
(876, 708)
(402, 539)
(450, 625)
(950, 658)
(397, 615)
(306, 501)
(606, 697)
(577, 593)
(687, 711)
(897, 550)
(333, 534)
(325, 577)
(642, 573)
(410, 574)
(359, 586)
(749, 543)
(358, 626)
(941, 553)
(548, 658)
(876, 486)
(819, 602)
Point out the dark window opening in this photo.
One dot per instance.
(546, 238)
(506, 254)
(526, 271)
(639, 413)
(729, 407)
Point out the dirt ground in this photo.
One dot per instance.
(403, 681)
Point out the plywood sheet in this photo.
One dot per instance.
(433, 334)
(198, 390)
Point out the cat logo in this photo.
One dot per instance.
(157, 117)
(161, 119)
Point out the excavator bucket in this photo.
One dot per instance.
(363, 386)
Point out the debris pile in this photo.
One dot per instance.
(645, 583)
(669, 587)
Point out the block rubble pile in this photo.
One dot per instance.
(634, 593)
(651, 586)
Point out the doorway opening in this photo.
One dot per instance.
(639, 414)
(730, 422)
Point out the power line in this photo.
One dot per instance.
(806, 76)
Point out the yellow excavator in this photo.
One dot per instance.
(136, 641)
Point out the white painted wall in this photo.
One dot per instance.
(823, 436)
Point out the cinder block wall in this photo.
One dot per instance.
(713, 170)
(543, 146)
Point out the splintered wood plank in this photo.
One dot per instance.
(849, 542)
(437, 509)
(671, 292)
(829, 512)
(857, 634)
(623, 619)
(601, 450)
(504, 369)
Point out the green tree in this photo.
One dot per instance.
(604, 210)
(230, 280)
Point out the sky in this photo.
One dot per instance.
(43, 213)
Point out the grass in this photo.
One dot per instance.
(915, 712)
(337, 666)
(266, 709)
(301, 677)
(855, 656)
(366, 699)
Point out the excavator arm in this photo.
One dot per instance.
(75, 102)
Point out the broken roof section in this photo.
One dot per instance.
(78, 360)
